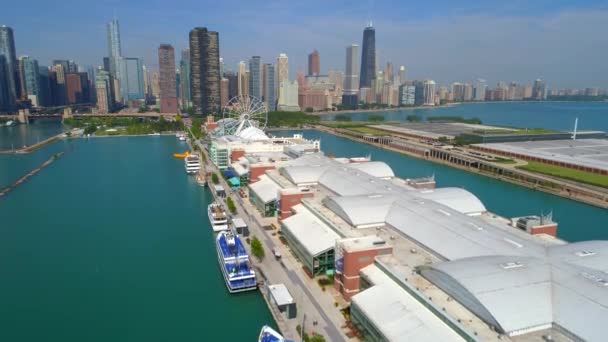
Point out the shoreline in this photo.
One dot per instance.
(585, 199)
(394, 109)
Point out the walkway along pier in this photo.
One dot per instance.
(459, 159)
(25, 178)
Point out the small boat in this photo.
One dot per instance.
(10, 123)
(155, 134)
(234, 262)
(270, 335)
(181, 155)
(200, 180)
(182, 138)
(217, 217)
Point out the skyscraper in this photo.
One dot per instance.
(58, 85)
(351, 77)
(269, 88)
(9, 86)
(131, 79)
(243, 80)
(224, 91)
(539, 90)
(388, 72)
(255, 77)
(168, 87)
(402, 75)
(429, 92)
(104, 95)
(282, 68)
(184, 69)
(368, 57)
(114, 48)
(205, 71)
(480, 89)
(314, 63)
(31, 79)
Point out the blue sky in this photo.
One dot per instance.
(564, 42)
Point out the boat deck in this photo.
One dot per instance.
(239, 250)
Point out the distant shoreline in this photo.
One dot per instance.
(394, 109)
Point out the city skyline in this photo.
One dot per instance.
(494, 40)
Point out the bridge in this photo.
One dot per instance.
(24, 116)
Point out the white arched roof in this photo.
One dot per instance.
(304, 174)
(375, 168)
(365, 210)
(456, 198)
(253, 133)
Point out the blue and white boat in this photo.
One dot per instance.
(234, 263)
(270, 335)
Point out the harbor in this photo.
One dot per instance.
(317, 306)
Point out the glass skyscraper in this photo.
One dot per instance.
(30, 72)
(368, 57)
(132, 78)
(255, 77)
(114, 48)
(269, 93)
(8, 70)
(184, 70)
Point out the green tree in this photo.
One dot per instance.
(257, 249)
(375, 118)
(214, 178)
(342, 117)
(231, 205)
(90, 129)
(413, 118)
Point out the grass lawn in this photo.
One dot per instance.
(369, 130)
(566, 173)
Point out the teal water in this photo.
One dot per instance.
(16, 136)
(112, 243)
(577, 221)
(550, 115)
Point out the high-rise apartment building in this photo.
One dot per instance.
(407, 95)
(168, 87)
(289, 96)
(539, 90)
(429, 92)
(156, 85)
(58, 85)
(205, 71)
(243, 80)
(282, 68)
(44, 86)
(388, 72)
(9, 72)
(458, 91)
(184, 69)
(480, 89)
(233, 84)
(402, 75)
(314, 63)
(255, 77)
(351, 76)
(103, 85)
(468, 92)
(368, 57)
(269, 88)
(224, 91)
(74, 88)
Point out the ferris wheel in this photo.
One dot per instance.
(242, 112)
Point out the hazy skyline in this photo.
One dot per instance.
(563, 42)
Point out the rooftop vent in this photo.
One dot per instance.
(584, 253)
(511, 264)
(444, 212)
(476, 227)
(599, 280)
(518, 245)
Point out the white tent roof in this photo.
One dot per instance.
(363, 210)
(253, 133)
(265, 189)
(455, 198)
(314, 235)
(375, 168)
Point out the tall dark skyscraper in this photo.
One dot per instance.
(368, 57)
(168, 87)
(9, 71)
(314, 63)
(255, 77)
(205, 71)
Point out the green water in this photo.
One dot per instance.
(16, 136)
(112, 243)
(577, 221)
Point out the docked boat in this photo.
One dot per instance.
(200, 180)
(234, 262)
(217, 217)
(181, 155)
(181, 136)
(192, 163)
(10, 123)
(270, 335)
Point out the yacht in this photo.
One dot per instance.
(270, 335)
(192, 164)
(217, 217)
(234, 263)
